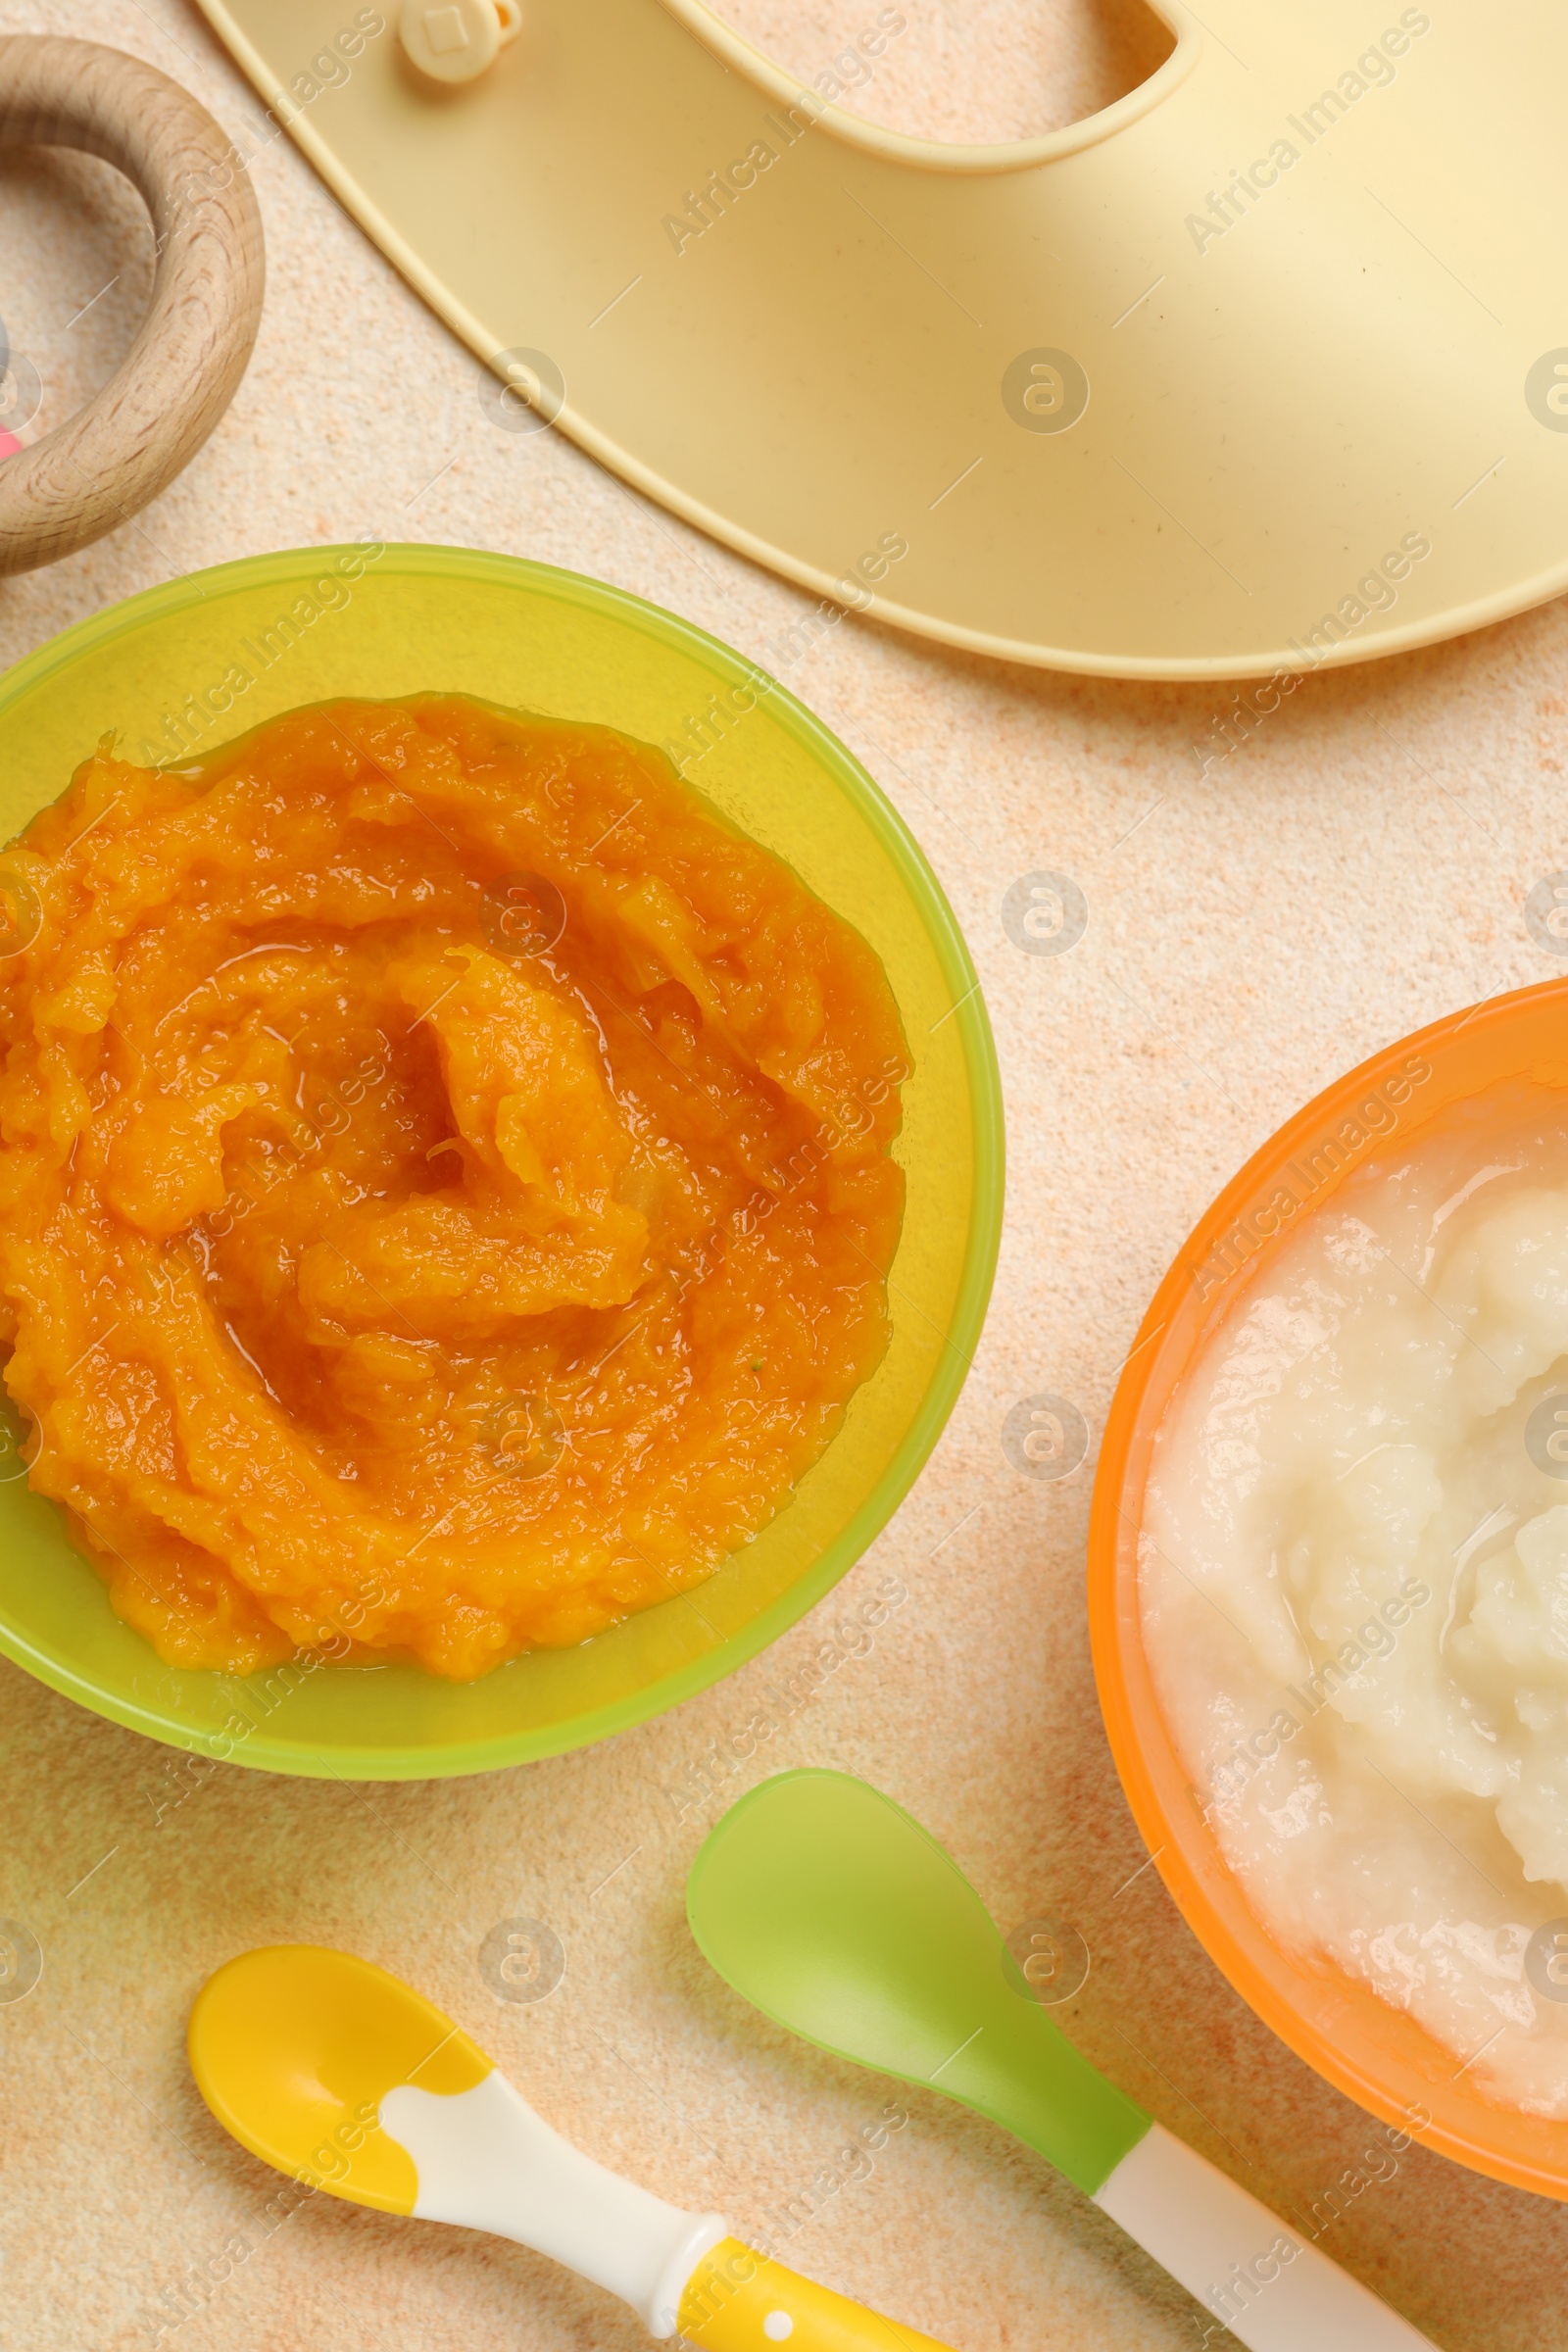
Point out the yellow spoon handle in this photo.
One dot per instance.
(738, 2301)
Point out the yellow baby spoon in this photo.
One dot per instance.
(349, 2080)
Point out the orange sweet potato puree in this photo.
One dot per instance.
(445, 1187)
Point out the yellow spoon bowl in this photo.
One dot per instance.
(293, 2048)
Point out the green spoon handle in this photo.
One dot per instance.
(1019, 2069)
(1270, 2286)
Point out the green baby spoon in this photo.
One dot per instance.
(833, 1912)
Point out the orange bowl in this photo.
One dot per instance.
(1482, 1066)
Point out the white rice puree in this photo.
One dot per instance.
(1355, 1589)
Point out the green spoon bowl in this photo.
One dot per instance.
(837, 1916)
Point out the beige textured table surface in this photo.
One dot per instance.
(1359, 868)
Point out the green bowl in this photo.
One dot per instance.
(162, 670)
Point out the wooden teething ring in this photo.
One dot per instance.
(108, 461)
